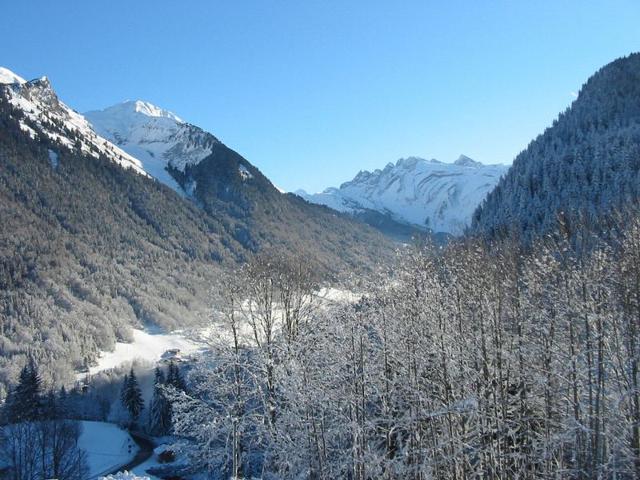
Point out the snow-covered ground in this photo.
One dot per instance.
(149, 346)
(146, 346)
(329, 296)
(153, 461)
(126, 476)
(141, 470)
(107, 446)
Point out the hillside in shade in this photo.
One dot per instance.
(587, 164)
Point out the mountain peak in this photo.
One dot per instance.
(131, 108)
(150, 110)
(408, 162)
(7, 76)
(465, 161)
(155, 136)
(47, 118)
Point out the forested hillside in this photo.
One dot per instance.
(88, 248)
(586, 165)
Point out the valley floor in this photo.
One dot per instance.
(147, 346)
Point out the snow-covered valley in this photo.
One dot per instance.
(150, 346)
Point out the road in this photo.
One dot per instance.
(145, 452)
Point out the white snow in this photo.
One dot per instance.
(150, 346)
(28, 130)
(157, 137)
(428, 193)
(107, 446)
(7, 76)
(151, 110)
(147, 347)
(40, 104)
(125, 476)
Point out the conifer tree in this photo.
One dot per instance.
(159, 408)
(174, 377)
(124, 390)
(25, 401)
(131, 397)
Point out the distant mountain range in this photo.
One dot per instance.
(427, 194)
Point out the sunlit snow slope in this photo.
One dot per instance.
(44, 115)
(427, 193)
(157, 137)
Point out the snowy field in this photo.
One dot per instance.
(107, 446)
(126, 476)
(146, 346)
(149, 346)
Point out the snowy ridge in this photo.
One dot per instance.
(48, 117)
(157, 137)
(7, 76)
(427, 193)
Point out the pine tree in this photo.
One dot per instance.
(174, 377)
(50, 406)
(63, 402)
(25, 401)
(124, 390)
(131, 397)
(159, 408)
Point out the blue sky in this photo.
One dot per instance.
(313, 91)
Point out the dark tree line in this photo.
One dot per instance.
(37, 439)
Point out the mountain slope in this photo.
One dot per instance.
(90, 243)
(429, 194)
(197, 165)
(587, 163)
(156, 137)
(47, 117)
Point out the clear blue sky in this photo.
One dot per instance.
(313, 91)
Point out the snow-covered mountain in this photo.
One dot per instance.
(88, 248)
(157, 137)
(430, 194)
(44, 115)
(8, 77)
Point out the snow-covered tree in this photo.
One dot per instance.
(25, 400)
(159, 408)
(131, 397)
